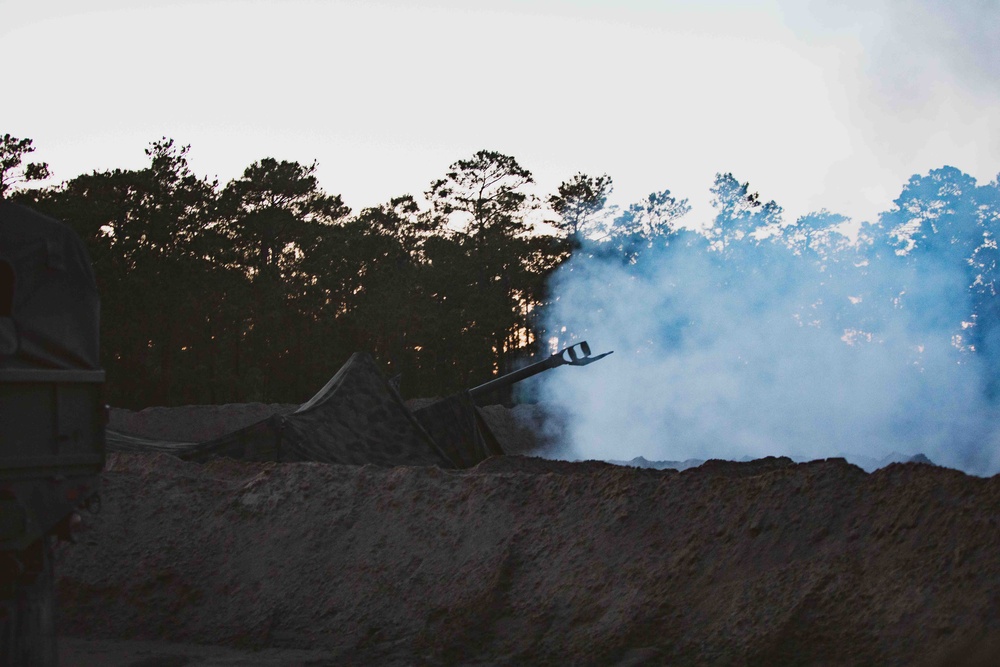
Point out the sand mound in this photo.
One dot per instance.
(528, 561)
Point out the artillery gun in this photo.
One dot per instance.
(575, 355)
(52, 418)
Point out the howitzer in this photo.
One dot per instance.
(574, 355)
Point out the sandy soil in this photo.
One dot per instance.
(527, 561)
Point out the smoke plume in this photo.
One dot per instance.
(776, 347)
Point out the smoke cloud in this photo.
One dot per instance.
(775, 347)
(911, 45)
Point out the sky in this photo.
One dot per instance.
(817, 103)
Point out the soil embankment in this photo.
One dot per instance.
(526, 561)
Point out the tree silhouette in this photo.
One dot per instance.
(739, 213)
(487, 286)
(645, 224)
(280, 228)
(12, 168)
(149, 235)
(580, 204)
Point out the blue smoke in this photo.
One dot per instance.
(756, 338)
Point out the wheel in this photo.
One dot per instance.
(27, 618)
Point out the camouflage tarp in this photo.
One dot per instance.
(49, 307)
(358, 418)
(457, 427)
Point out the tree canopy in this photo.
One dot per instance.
(13, 169)
(256, 290)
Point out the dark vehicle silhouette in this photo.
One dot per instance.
(52, 417)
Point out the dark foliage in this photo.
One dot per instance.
(261, 289)
(258, 290)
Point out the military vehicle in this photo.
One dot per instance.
(52, 418)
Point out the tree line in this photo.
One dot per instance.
(917, 289)
(258, 289)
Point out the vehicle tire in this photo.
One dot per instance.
(27, 610)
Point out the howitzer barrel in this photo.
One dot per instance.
(574, 355)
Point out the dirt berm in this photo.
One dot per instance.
(528, 561)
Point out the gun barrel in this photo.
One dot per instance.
(574, 355)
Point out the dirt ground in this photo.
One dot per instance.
(77, 652)
(527, 561)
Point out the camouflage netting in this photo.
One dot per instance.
(458, 428)
(358, 418)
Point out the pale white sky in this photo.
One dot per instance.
(818, 103)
